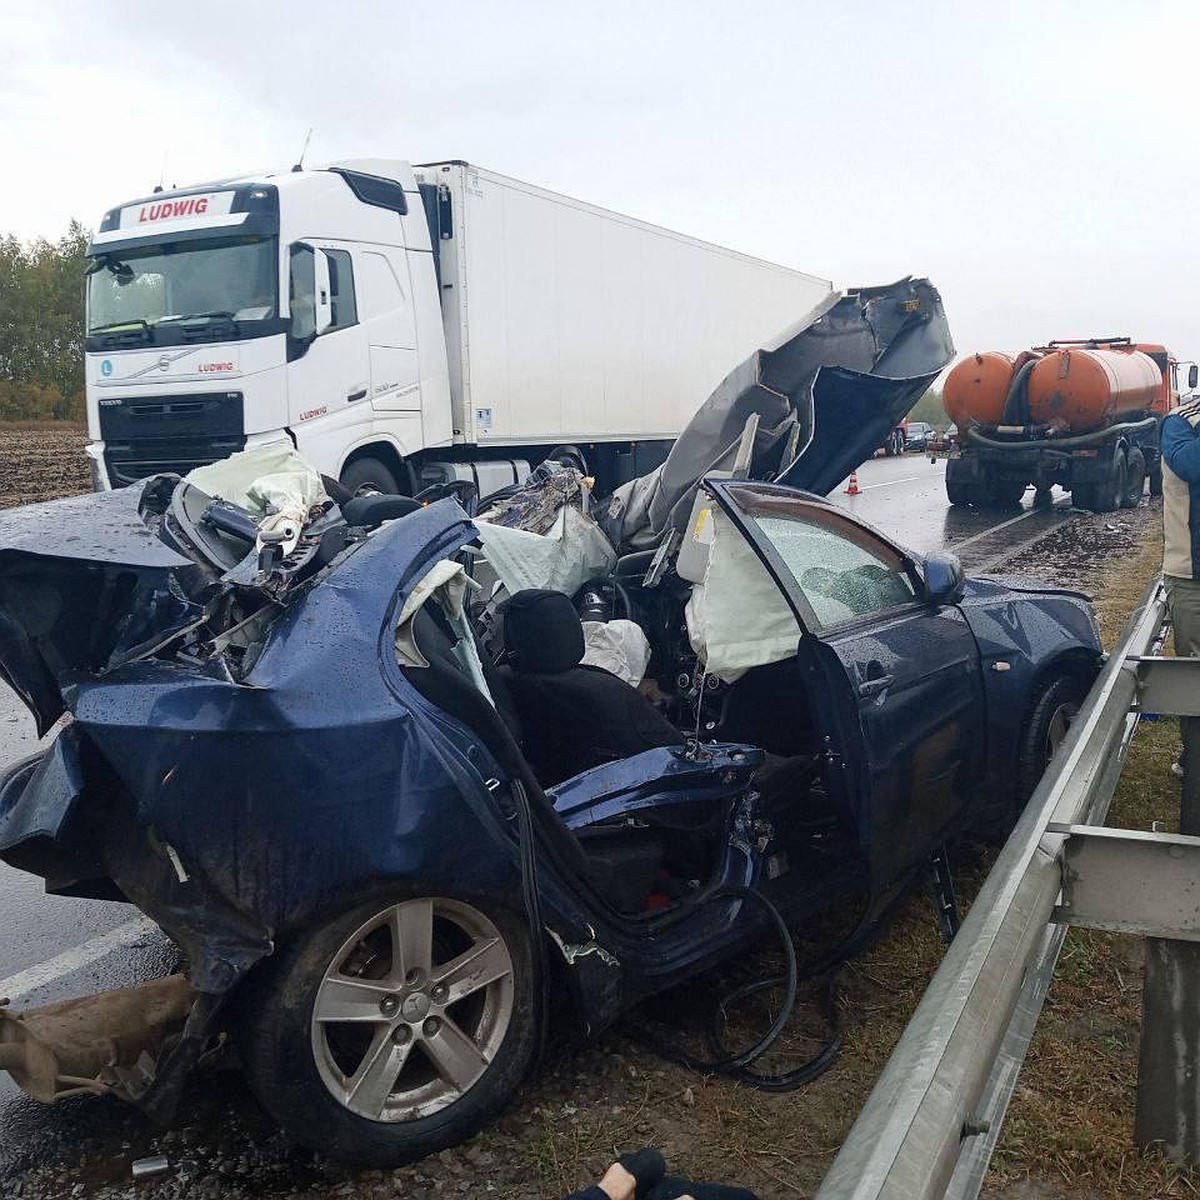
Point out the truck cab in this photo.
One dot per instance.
(224, 315)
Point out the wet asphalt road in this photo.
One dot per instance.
(53, 948)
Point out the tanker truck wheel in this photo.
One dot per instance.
(1003, 493)
(1155, 476)
(1135, 479)
(958, 492)
(1106, 495)
(1110, 493)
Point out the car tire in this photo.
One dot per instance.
(1055, 705)
(458, 1060)
(369, 474)
(1135, 479)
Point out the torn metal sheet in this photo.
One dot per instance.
(825, 393)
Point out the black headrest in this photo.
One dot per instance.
(372, 510)
(542, 631)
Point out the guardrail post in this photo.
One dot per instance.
(1168, 1098)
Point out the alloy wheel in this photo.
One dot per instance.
(1059, 726)
(412, 1009)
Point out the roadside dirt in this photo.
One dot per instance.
(595, 1099)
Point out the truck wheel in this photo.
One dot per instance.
(1110, 493)
(371, 474)
(394, 1030)
(1105, 496)
(1135, 479)
(958, 492)
(1004, 493)
(1055, 705)
(1155, 477)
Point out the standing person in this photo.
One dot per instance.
(1181, 574)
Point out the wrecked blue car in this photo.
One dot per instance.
(389, 803)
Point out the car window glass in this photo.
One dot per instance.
(842, 570)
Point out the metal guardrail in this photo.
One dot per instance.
(929, 1127)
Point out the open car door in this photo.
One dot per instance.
(895, 678)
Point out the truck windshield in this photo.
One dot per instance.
(230, 279)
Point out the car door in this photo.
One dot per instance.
(898, 678)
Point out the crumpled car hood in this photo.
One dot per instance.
(84, 582)
(825, 392)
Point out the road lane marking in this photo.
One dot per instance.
(866, 487)
(1004, 555)
(1029, 512)
(77, 957)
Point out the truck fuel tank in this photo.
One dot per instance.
(1080, 389)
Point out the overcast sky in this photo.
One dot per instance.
(1035, 160)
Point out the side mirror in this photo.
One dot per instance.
(944, 579)
(1193, 375)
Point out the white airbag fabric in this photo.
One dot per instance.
(737, 618)
(619, 647)
(563, 559)
(447, 584)
(273, 476)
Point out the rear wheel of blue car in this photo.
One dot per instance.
(1054, 708)
(393, 1031)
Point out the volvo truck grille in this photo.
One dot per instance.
(146, 435)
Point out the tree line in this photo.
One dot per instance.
(42, 327)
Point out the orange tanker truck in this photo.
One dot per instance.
(1080, 414)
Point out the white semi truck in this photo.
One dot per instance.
(404, 325)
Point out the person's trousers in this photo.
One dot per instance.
(1183, 603)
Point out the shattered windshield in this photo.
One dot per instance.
(228, 279)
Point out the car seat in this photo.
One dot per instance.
(573, 716)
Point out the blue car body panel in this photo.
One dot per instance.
(236, 811)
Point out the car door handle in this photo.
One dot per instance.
(872, 687)
(359, 395)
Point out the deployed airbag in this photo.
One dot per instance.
(619, 647)
(562, 560)
(737, 618)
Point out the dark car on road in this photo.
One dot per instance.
(919, 435)
(382, 847)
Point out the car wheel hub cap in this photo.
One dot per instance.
(412, 1009)
(415, 1007)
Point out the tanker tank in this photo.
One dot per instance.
(1080, 389)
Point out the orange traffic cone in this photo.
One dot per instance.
(852, 488)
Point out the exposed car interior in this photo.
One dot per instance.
(719, 666)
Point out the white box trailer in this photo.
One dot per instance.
(568, 322)
(395, 321)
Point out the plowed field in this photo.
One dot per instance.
(41, 463)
